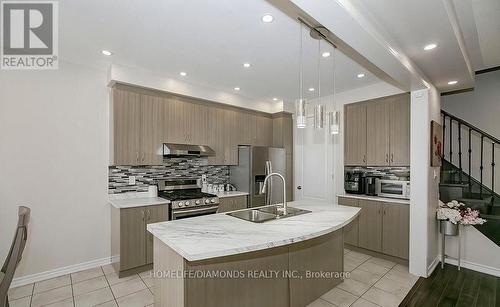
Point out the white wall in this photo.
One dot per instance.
(54, 159)
(425, 107)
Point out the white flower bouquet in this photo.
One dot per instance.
(458, 213)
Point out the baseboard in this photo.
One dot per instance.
(28, 279)
(433, 265)
(474, 266)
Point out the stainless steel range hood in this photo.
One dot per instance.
(170, 149)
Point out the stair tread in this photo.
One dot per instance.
(454, 184)
(475, 200)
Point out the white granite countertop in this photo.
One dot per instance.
(135, 199)
(377, 198)
(219, 235)
(231, 194)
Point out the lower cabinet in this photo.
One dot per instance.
(232, 203)
(383, 227)
(129, 238)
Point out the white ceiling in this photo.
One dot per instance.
(210, 40)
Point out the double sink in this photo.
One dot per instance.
(265, 214)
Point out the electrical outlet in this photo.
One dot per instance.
(131, 180)
(203, 178)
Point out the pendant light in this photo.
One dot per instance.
(333, 116)
(300, 104)
(319, 109)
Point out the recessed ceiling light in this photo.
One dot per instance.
(182, 73)
(107, 52)
(267, 18)
(325, 54)
(275, 99)
(247, 65)
(453, 82)
(361, 76)
(430, 47)
(311, 89)
(236, 88)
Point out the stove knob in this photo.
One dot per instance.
(207, 201)
(197, 202)
(187, 203)
(212, 200)
(181, 204)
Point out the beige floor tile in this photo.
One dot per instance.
(108, 304)
(65, 303)
(373, 268)
(350, 264)
(94, 298)
(108, 269)
(359, 256)
(402, 268)
(51, 296)
(392, 286)
(354, 287)
(128, 287)
(113, 278)
(87, 274)
(320, 303)
(381, 298)
(52, 283)
(19, 292)
(89, 285)
(404, 278)
(363, 303)
(382, 262)
(137, 299)
(148, 280)
(152, 289)
(21, 302)
(339, 297)
(368, 278)
(146, 274)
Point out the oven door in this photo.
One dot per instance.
(178, 214)
(392, 188)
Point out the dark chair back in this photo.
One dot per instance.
(14, 255)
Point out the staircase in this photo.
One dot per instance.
(470, 177)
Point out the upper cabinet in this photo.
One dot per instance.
(377, 132)
(143, 120)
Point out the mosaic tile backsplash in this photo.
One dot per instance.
(175, 167)
(389, 172)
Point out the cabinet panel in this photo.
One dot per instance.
(396, 230)
(173, 125)
(370, 225)
(154, 214)
(126, 127)
(133, 238)
(216, 136)
(355, 134)
(400, 130)
(377, 133)
(351, 231)
(195, 118)
(151, 135)
(227, 204)
(264, 131)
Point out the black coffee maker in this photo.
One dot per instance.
(354, 182)
(370, 184)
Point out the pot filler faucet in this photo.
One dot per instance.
(284, 188)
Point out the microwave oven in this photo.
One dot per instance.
(393, 188)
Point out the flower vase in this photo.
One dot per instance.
(448, 228)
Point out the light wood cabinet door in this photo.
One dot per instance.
(377, 133)
(264, 131)
(227, 204)
(355, 134)
(351, 231)
(173, 125)
(195, 122)
(154, 214)
(400, 130)
(126, 127)
(370, 225)
(217, 135)
(396, 230)
(132, 238)
(151, 136)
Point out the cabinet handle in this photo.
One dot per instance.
(137, 157)
(392, 157)
(142, 213)
(149, 214)
(387, 158)
(142, 157)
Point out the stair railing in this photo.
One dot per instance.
(484, 137)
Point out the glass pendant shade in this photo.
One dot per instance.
(300, 113)
(319, 116)
(333, 122)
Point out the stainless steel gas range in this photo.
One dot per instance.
(187, 199)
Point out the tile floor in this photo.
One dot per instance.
(372, 282)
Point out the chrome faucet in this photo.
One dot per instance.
(284, 188)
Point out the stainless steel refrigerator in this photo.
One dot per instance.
(255, 162)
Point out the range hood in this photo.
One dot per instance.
(170, 149)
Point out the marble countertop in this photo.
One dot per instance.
(231, 194)
(219, 235)
(377, 198)
(135, 199)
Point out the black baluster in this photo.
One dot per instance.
(481, 169)
(451, 140)
(470, 157)
(493, 167)
(460, 150)
(444, 133)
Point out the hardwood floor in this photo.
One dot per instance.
(450, 287)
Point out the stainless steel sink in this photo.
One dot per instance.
(265, 214)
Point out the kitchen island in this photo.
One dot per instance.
(220, 260)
